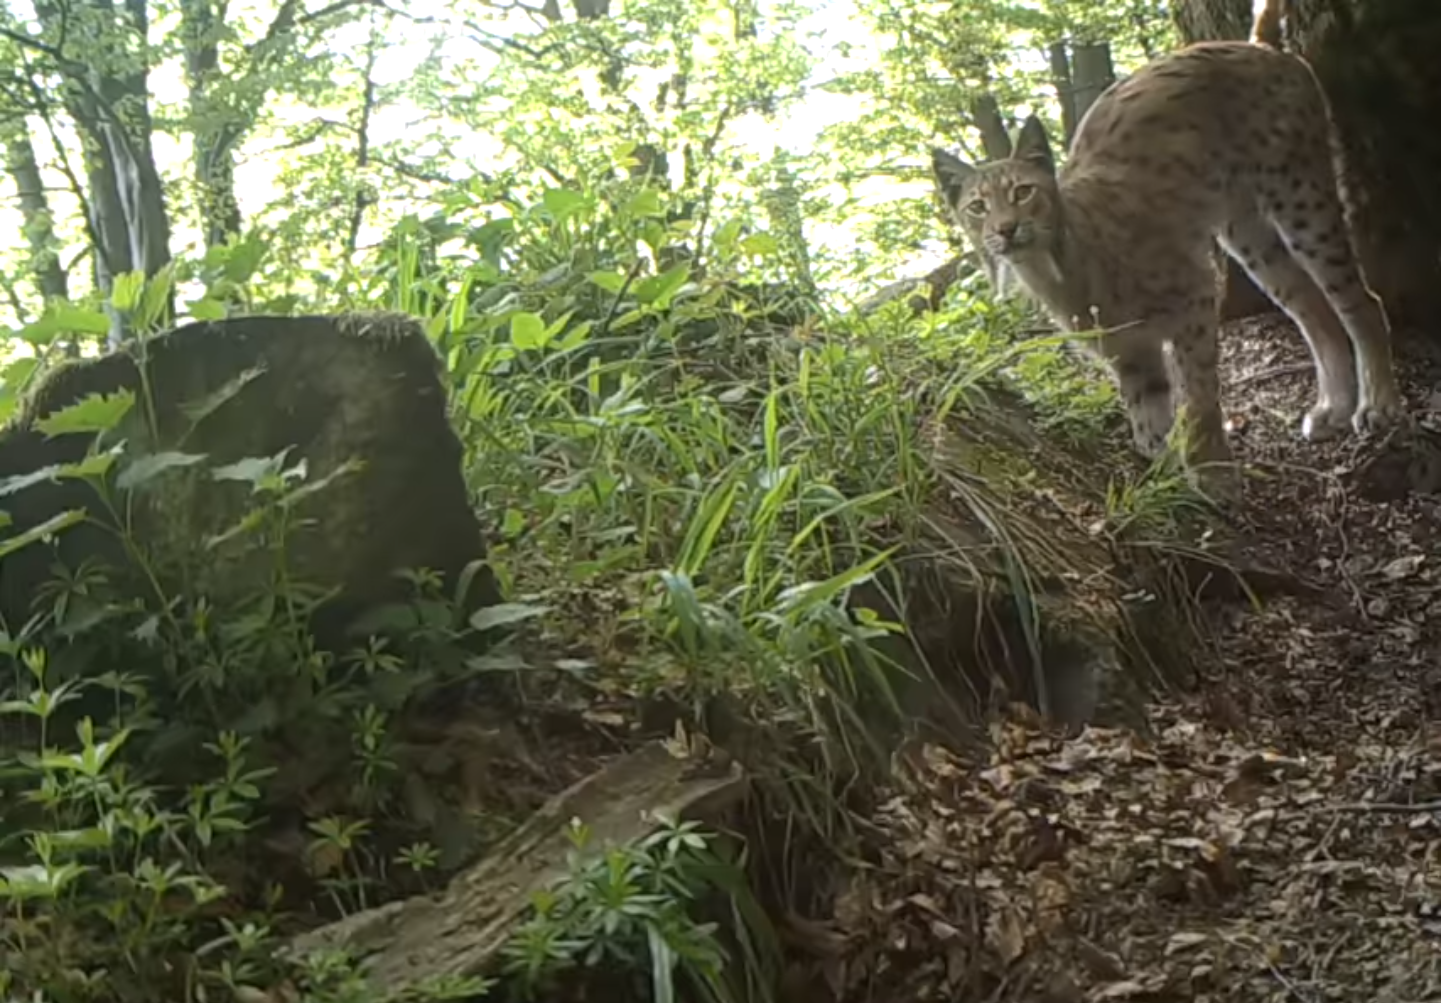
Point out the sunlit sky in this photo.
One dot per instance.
(834, 26)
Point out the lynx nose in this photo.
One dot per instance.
(1006, 231)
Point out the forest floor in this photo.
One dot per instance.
(1275, 837)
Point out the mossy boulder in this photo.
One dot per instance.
(357, 399)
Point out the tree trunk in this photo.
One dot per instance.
(110, 103)
(1213, 20)
(215, 129)
(1376, 60)
(986, 114)
(50, 278)
(1091, 73)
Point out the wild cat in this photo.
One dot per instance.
(1224, 140)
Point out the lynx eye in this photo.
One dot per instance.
(976, 207)
(1022, 193)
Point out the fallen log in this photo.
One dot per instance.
(402, 944)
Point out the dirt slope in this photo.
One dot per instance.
(1276, 840)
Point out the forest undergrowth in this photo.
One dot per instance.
(712, 511)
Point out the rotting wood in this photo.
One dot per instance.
(460, 932)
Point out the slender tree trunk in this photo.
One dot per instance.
(995, 137)
(214, 131)
(109, 100)
(20, 160)
(1091, 73)
(1212, 20)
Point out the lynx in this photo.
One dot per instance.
(1223, 141)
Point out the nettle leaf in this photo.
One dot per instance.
(147, 468)
(505, 613)
(64, 318)
(94, 413)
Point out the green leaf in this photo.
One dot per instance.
(155, 301)
(18, 372)
(94, 465)
(252, 469)
(93, 413)
(46, 529)
(505, 613)
(576, 335)
(19, 482)
(126, 289)
(497, 662)
(727, 234)
(563, 203)
(206, 308)
(244, 258)
(64, 318)
(611, 282)
(646, 203)
(147, 468)
(527, 331)
(657, 290)
(760, 244)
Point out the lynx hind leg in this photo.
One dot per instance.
(1258, 247)
(1145, 387)
(1196, 350)
(1312, 223)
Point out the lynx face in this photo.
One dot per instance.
(1010, 207)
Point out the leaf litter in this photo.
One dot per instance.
(1275, 834)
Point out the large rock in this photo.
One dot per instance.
(332, 390)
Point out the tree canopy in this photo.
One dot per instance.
(266, 153)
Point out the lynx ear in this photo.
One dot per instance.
(952, 173)
(1033, 145)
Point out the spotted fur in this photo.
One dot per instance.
(1220, 141)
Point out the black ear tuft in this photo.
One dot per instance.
(951, 173)
(1032, 144)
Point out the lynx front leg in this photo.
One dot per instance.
(1139, 363)
(1196, 349)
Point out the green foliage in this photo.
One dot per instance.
(704, 473)
(627, 910)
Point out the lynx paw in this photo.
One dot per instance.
(1325, 421)
(1377, 416)
(1151, 422)
(1221, 482)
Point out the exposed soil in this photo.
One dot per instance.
(1274, 840)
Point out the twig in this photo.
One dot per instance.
(1395, 807)
(1274, 372)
